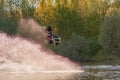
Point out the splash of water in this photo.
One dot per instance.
(19, 55)
(29, 28)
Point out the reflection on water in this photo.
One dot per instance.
(99, 72)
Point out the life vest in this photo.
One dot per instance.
(57, 39)
(54, 39)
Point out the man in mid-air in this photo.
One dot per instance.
(51, 37)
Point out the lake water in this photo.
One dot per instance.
(99, 72)
(91, 72)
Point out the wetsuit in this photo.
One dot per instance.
(50, 35)
(52, 38)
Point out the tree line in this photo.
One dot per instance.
(89, 28)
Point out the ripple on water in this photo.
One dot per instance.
(99, 72)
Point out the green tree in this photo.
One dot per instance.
(79, 49)
(8, 24)
(110, 32)
(27, 9)
(63, 19)
(67, 21)
(92, 13)
(1, 10)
